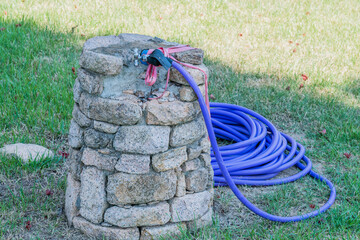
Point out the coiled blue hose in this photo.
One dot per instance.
(259, 153)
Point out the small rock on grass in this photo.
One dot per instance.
(27, 152)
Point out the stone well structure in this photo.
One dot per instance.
(138, 168)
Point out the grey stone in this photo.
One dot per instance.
(126, 188)
(187, 94)
(212, 192)
(95, 139)
(169, 160)
(92, 194)
(191, 165)
(205, 157)
(101, 42)
(136, 216)
(180, 183)
(105, 151)
(187, 133)
(100, 232)
(94, 158)
(170, 113)
(161, 93)
(197, 180)
(142, 139)
(210, 171)
(75, 137)
(203, 221)
(27, 152)
(205, 144)
(101, 63)
(77, 91)
(198, 76)
(128, 79)
(89, 82)
(105, 127)
(168, 231)
(134, 38)
(74, 163)
(80, 118)
(135, 164)
(128, 97)
(132, 77)
(194, 56)
(105, 224)
(143, 41)
(190, 206)
(170, 95)
(109, 110)
(71, 197)
(194, 151)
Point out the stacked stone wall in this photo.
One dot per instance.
(138, 168)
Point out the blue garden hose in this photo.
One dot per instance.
(260, 152)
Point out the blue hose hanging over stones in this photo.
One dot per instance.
(140, 162)
(260, 151)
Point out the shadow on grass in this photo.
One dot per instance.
(35, 82)
(36, 104)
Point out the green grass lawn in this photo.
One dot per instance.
(257, 52)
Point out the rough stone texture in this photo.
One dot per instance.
(77, 91)
(191, 165)
(110, 233)
(167, 231)
(75, 137)
(142, 139)
(210, 184)
(80, 118)
(95, 139)
(197, 75)
(101, 63)
(197, 180)
(203, 221)
(180, 184)
(187, 133)
(126, 188)
(105, 127)
(94, 158)
(128, 80)
(110, 110)
(187, 94)
(74, 163)
(90, 82)
(101, 42)
(27, 152)
(169, 160)
(170, 113)
(205, 144)
(205, 157)
(92, 194)
(131, 77)
(194, 56)
(152, 215)
(145, 41)
(134, 164)
(194, 151)
(190, 206)
(71, 198)
(105, 224)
